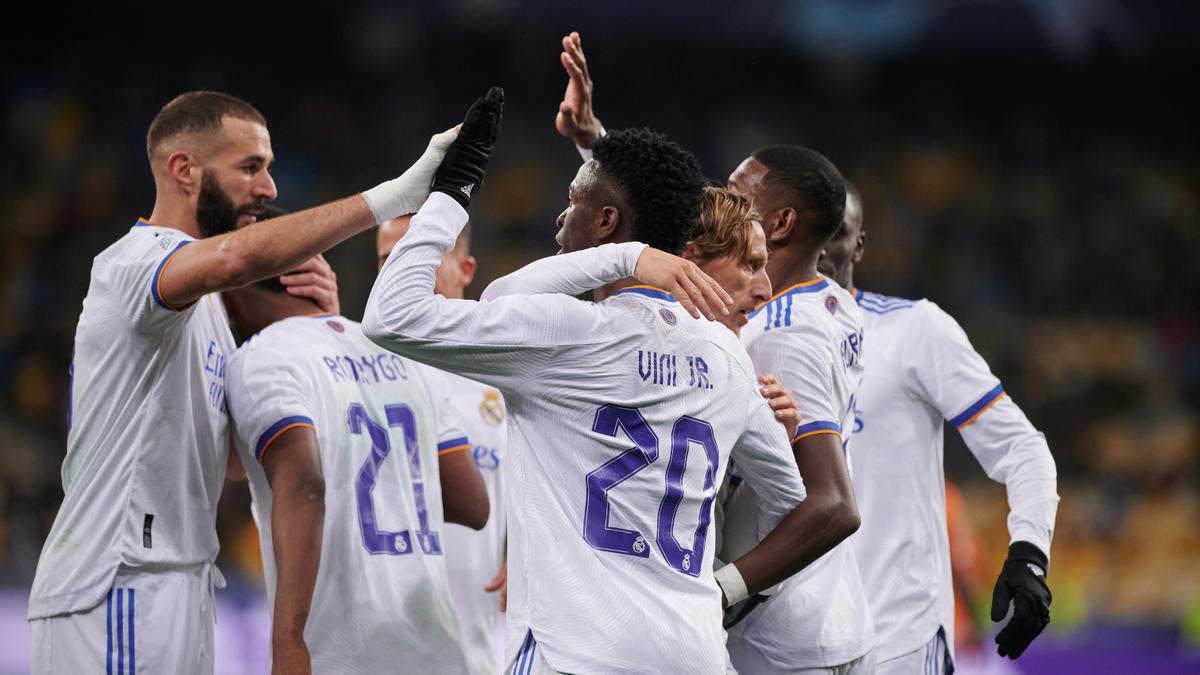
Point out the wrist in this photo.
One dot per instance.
(631, 255)
(1027, 552)
(287, 636)
(584, 141)
(731, 583)
(388, 200)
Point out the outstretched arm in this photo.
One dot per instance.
(274, 246)
(586, 270)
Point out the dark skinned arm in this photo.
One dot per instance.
(293, 468)
(464, 496)
(827, 516)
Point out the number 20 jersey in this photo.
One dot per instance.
(382, 600)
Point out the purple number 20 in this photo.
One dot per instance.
(380, 542)
(686, 430)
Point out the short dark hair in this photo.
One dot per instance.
(812, 183)
(197, 111)
(661, 180)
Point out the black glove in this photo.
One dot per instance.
(461, 171)
(1023, 581)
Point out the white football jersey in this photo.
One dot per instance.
(381, 601)
(148, 431)
(622, 415)
(474, 556)
(810, 336)
(923, 372)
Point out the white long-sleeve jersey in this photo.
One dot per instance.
(622, 415)
(810, 336)
(924, 371)
(147, 435)
(381, 602)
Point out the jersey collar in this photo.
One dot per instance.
(648, 291)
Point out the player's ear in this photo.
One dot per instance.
(691, 252)
(466, 269)
(609, 223)
(859, 247)
(184, 170)
(780, 224)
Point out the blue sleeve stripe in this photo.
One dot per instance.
(154, 291)
(817, 428)
(278, 428)
(453, 443)
(978, 407)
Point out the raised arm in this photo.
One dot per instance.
(502, 343)
(272, 247)
(575, 118)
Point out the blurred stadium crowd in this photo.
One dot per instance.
(1051, 203)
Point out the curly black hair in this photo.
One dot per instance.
(813, 185)
(661, 180)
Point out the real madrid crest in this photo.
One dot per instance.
(492, 408)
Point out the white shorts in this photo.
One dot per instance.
(530, 660)
(150, 622)
(931, 659)
(750, 661)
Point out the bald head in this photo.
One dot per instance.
(458, 266)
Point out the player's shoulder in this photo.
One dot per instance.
(728, 342)
(663, 314)
(801, 310)
(142, 242)
(880, 304)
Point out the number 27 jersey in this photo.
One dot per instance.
(382, 600)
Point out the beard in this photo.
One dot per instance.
(215, 211)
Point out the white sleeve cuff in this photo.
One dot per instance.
(731, 582)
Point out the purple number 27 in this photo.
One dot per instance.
(606, 477)
(382, 542)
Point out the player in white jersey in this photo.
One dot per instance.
(125, 578)
(923, 371)
(346, 446)
(822, 619)
(474, 559)
(810, 334)
(609, 570)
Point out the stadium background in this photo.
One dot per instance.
(1030, 165)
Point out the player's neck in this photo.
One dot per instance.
(176, 214)
(610, 289)
(787, 267)
(251, 309)
(849, 285)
